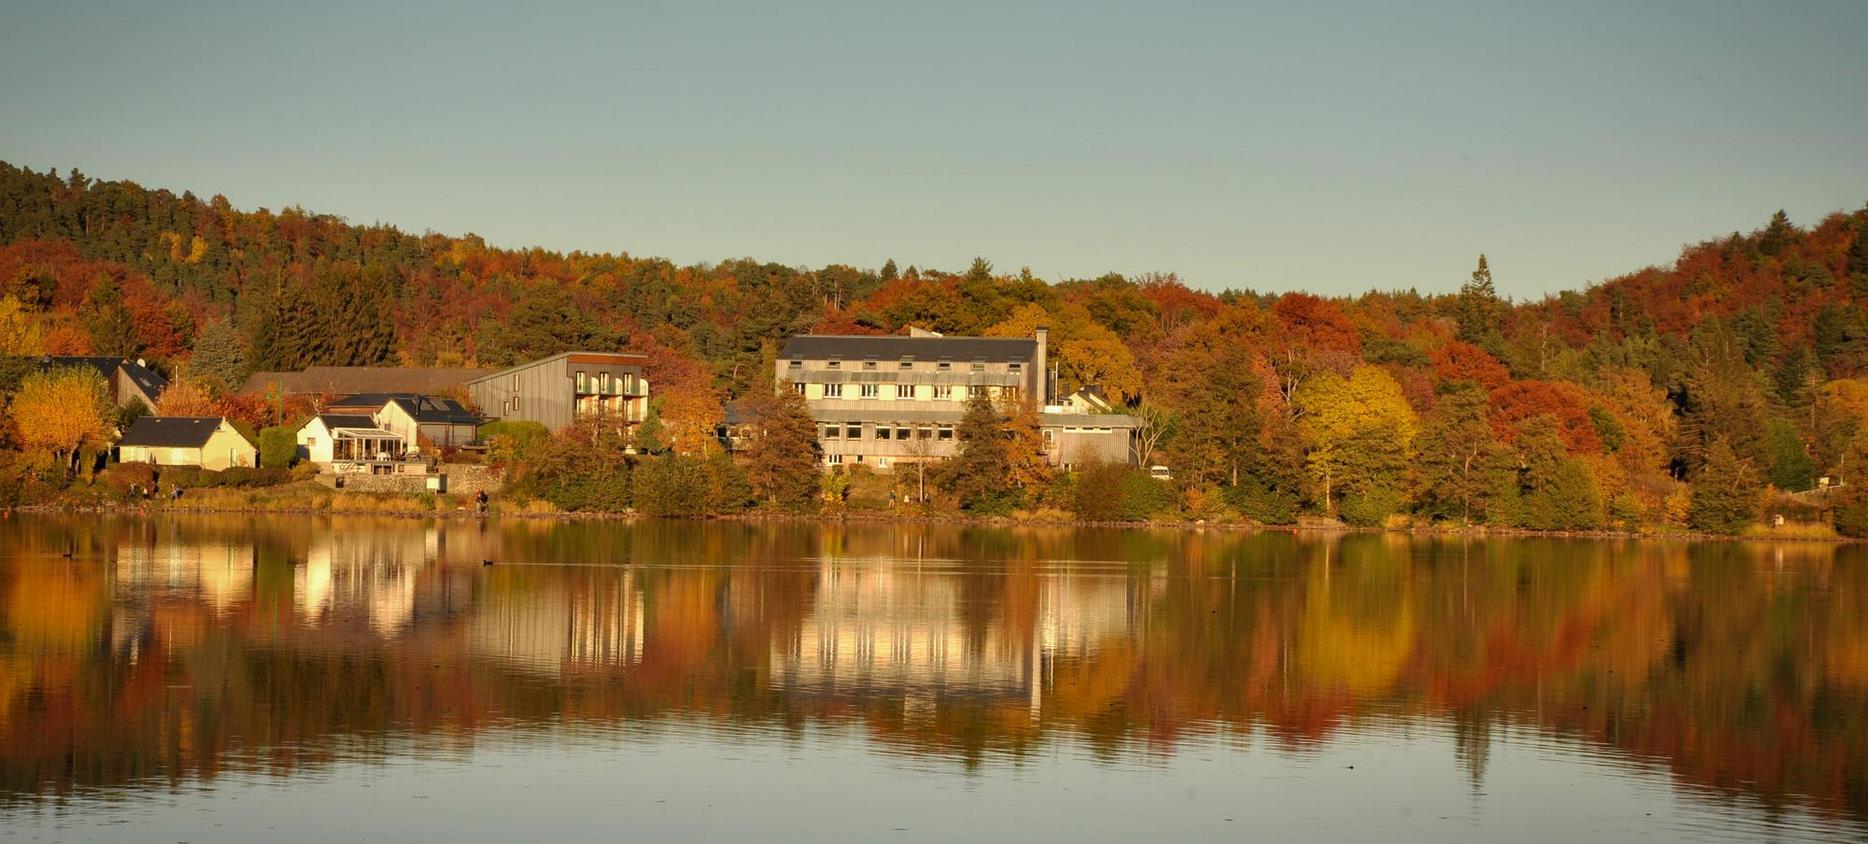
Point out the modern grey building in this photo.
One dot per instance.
(881, 401)
(602, 387)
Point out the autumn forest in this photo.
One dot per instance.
(1711, 395)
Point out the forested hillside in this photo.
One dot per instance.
(1668, 397)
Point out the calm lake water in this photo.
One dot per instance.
(236, 679)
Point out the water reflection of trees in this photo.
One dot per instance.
(163, 650)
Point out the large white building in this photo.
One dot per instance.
(882, 401)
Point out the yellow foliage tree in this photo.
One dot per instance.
(20, 332)
(1084, 352)
(186, 397)
(1360, 430)
(63, 411)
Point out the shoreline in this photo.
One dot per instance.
(956, 520)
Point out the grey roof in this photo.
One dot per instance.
(171, 431)
(363, 379)
(142, 376)
(639, 360)
(333, 421)
(432, 411)
(857, 347)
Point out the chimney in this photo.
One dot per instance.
(1040, 367)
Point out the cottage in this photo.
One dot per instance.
(129, 380)
(207, 442)
(602, 387)
(350, 442)
(443, 423)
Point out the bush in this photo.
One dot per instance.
(729, 491)
(1851, 516)
(507, 442)
(1097, 496)
(1369, 508)
(671, 485)
(572, 476)
(278, 446)
(1262, 504)
(30, 478)
(1144, 497)
(122, 477)
(248, 476)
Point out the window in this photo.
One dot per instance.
(882, 462)
(904, 391)
(853, 430)
(1010, 393)
(870, 391)
(943, 391)
(832, 431)
(834, 362)
(908, 362)
(945, 432)
(795, 363)
(833, 391)
(901, 432)
(869, 363)
(946, 364)
(979, 364)
(798, 388)
(883, 432)
(833, 459)
(974, 391)
(603, 382)
(1015, 367)
(582, 382)
(923, 432)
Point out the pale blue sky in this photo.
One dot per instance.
(1362, 146)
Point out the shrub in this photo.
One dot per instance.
(248, 476)
(508, 441)
(1851, 516)
(572, 476)
(729, 491)
(671, 485)
(278, 446)
(1144, 497)
(1097, 496)
(1371, 507)
(124, 476)
(1262, 504)
(30, 478)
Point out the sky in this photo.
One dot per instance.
(1280, 146)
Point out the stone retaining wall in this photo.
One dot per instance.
(463, 479)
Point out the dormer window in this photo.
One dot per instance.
(979, 364)
(946, 364)
(834, 362)
(795, 363)
(1015, 367)
(869, 363)
(908, 362)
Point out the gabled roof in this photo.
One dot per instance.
(171, 431)
(894, 348)
(623, 359)
(371, 400)
(334, 421)
(432, 411)
(362, 379)
(142, 376)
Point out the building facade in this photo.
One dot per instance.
(558, 391)
(207, 442)
(883, 401)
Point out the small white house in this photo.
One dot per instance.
(331, 438)
(207, 442)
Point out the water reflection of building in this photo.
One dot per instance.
(220, 574)
(367, 575)
(888, 625)
(564, 625)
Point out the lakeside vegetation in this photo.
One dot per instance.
(1704, 396)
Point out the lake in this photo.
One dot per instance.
(226, 678)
